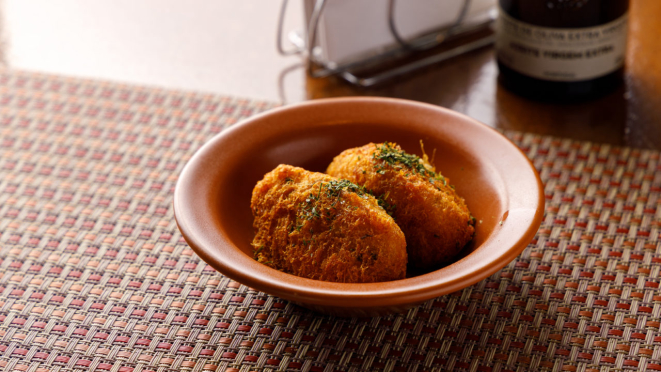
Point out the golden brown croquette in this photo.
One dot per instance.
(434, 219)
(316, 226)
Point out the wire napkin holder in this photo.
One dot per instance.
(403, 57)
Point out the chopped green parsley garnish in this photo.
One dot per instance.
(259, 249)
(332, 190)
(400, 159)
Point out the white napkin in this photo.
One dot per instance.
(350, 30)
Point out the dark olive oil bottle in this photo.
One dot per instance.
(561, 50)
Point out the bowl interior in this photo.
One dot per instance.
(500, 186)
(313, 148)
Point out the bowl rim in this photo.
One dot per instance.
(522, 222)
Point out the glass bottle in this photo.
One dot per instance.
(561, 50)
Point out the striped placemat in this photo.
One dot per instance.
(95, 276)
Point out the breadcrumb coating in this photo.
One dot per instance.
(435, 220)
(319, 227)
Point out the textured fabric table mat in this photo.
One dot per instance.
(94, 274)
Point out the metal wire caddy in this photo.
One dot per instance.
(304, 45)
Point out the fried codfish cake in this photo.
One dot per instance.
(316, 226)
(434, 219)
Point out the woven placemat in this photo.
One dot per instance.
(95, 275)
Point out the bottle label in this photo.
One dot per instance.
(561, 54)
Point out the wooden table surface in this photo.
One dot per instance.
(228, 47)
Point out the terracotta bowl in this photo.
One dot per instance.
(500, 185)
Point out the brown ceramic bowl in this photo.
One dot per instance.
(500, 186)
